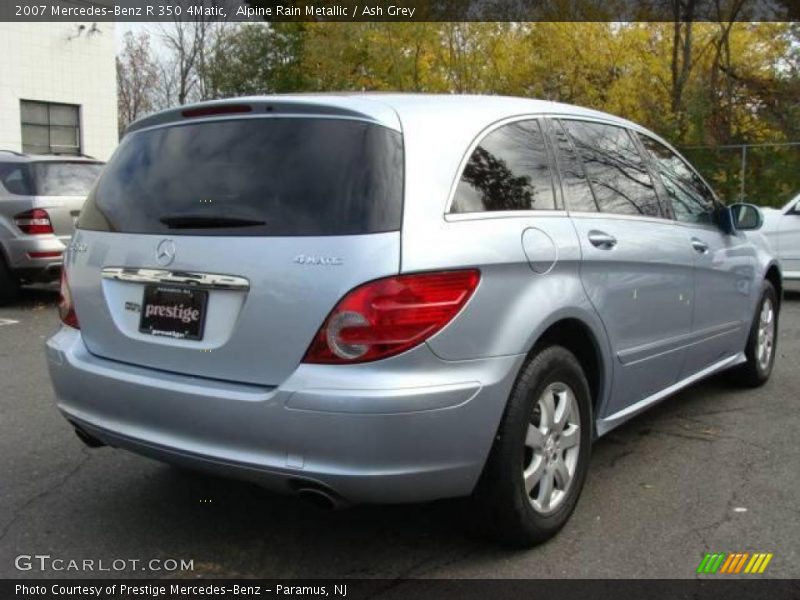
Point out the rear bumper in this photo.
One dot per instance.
(21, 254)
(412, 428)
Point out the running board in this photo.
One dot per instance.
(618, 418)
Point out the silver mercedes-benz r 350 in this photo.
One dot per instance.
(399, 298)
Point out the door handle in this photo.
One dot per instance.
(602, 240)
(699, 245)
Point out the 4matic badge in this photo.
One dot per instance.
(316, 259)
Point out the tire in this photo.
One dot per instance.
(502, 506)
(9, 284)
(762, 341)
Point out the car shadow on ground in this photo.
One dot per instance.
(792, 295)
(41, 295)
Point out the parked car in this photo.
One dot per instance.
(40, 199)
(400, 298)
(782, 229)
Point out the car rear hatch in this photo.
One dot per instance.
(217, 247)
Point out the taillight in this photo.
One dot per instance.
(34, 221)
(54, 254)
(388, 316)
(66, 309)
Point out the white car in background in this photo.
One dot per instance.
(782, 229)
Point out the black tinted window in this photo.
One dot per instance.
(691, 199)
(270, 176)
(577, 193)
(509, 170)
(616, 171)
(65, 178)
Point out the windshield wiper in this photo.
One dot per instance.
(207, 222)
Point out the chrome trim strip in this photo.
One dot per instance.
(504, 214)
(207, 281)
(605, 425)
(621, 217)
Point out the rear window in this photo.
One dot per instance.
(266, 176)
(65, 178)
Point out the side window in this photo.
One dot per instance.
(509, 170)
(574, 185)
(616, 171)
(692, 201)
(14, 179)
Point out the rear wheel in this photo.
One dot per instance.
(760, 349)
(9, 284)
(537, 467)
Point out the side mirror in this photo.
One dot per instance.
(746, 217)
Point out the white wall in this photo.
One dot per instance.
(50, 62)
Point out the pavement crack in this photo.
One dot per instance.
(711, 413)
(410, 573)
(618, 457)
(19, 512)
(686, 436)
(726, 517)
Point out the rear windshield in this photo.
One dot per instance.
(265, 176)
(65, 178)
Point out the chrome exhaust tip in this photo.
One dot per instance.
(319, 497)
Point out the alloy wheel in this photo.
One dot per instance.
(766, 334)
(552, 445)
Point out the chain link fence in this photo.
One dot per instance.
(764, 174)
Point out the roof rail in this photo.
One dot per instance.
(14, 152)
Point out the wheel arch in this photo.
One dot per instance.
(577, 335)
(773, 275)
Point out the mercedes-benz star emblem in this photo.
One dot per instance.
(165, 252)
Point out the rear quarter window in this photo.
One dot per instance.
(15, 179)
(509, 170)
(254, 177)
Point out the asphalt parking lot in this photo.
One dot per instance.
(714, 468)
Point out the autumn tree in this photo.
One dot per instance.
(137, 77)
(255, 59)
(721, 80)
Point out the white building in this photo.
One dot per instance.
(58, 88)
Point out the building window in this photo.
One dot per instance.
(49, 128)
